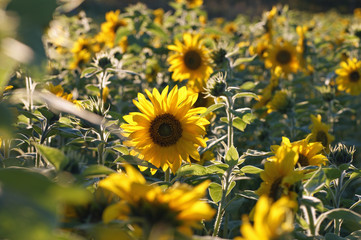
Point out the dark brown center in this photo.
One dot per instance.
(276, 189)
(354, 76)
(192, 60)
(302, 160)
(322, 137)
(165, 130)
(283, 57)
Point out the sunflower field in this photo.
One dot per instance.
(155, 124)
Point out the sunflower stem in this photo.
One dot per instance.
(229, 105)
(311, 220)
(167, 175)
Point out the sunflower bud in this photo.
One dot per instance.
(219, 57)
(105, 63)
(339, 154)
(216, 85)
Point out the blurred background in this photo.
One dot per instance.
(229, 9)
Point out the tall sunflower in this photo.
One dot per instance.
(308, 153)
(283, 55)
(179, 207)
(279, 175)
(190, 59)
(167, 130)
(349, 76)
(319, 132)
(272, 220)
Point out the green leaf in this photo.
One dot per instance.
(251, 169)
(239, 124)
(212, 108)
(231, 186)
(122, 32)
(88, 72)
(245, 94)
(56, 157)
(199, 170)
(215, 191)
(134, 161)
(232, 156)
(121, 149)
(239, 61)
(314, 202)
(32, 204)
(46, 113)
(316, 182)
(157, 30)
(93, 171)
(247, 85)
(353, 218)
(332, 173)
(248, 194)
(248, 118)
(332, 236)
(356, 235)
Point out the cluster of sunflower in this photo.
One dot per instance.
(155, 124)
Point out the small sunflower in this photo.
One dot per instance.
(319, 132)
(272, 220)
(279, 175)
(190, 59)
(283, 55)
(191, 3)
(178, 207)
(280, 102)
(158, 16)
(349, 76)
(308, 153)
(80, 59)
(110, 27)
(168, 130)
(58, 90)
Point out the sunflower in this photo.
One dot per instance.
(178, 207)
(279, 102)
(80, 59)
(110, 27)
(279, 175)
(261, 47)
(349, 76)
(58, 91)
(190, 60)
(191, 3)
(308, 153)
(319, 132)
(167, 130)
(282, 55)
(272, 220)
(158, 16)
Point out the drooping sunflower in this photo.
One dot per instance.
(282, 55)
(319, 132)
(179, 207)
(272, 220)
(349, 76)
(167, 130)
(190, 59)
(279, 174)
(308, 153)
